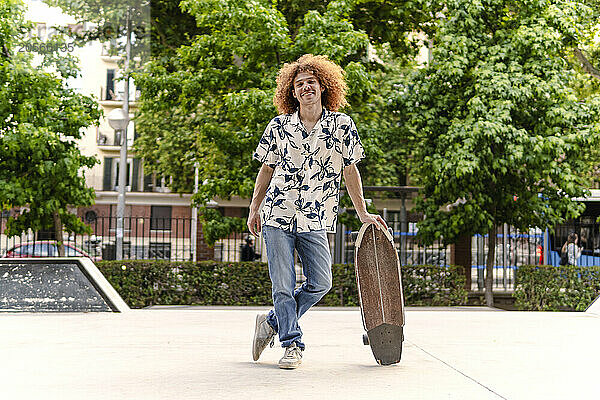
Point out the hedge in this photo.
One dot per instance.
(548, 288)
(145, 283)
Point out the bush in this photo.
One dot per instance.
(423, 285)
(144, 283)
(548, 288)
(429, 285)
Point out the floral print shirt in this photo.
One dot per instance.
(304, 188)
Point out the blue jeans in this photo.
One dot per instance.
(289, 304)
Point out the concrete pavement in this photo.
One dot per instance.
(205, 353)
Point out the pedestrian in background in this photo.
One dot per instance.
(248, 252)
(570, 252)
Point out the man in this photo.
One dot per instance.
(304, 152)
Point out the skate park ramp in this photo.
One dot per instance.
(594, 308)
(56, 285)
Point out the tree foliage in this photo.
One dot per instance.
(109, 18)
(170, 28)
(159, 27)
(213, 100)
(40, 119)
(500, 135)
(586, 80)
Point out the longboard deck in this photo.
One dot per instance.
(380, 291)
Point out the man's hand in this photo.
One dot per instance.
(254, 224)
(373, 219)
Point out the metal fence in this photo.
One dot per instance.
(171, 239)
(535, 247)
(588, 231)
(513, 249)
(144, 238)
(410, 250)
(230, 249)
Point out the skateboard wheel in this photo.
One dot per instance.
(391, 231)
(365, 339)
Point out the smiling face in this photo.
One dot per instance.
(307, 89)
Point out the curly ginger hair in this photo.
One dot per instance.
(329, 74)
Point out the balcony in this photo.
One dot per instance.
(112, 140)
(105, 178)
(115, 97)
(108, 139)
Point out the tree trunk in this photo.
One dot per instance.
(489, 267)
(460, 254)
(58, 234)
(586, 64)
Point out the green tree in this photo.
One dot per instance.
(500, 136)
(587, 50)
(170, 28)
(159, 27)
(586, 81)
(40, 119)
(110, 19)
(212, 101)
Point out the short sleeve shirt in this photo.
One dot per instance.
(304, 188)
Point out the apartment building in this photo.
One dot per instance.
(148, 200)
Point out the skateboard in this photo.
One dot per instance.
(380, 292)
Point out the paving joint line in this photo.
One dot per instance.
(455, 369)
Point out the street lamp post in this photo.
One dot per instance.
(118, 120)
(194, 217)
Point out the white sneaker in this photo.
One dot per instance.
(292, 357)
(263, 335)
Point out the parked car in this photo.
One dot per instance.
(44, 248)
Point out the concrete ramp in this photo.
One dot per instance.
(594, 308)
(56, 285)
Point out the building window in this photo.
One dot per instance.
(160, 218)
(118, 135)
(161, 251)
(110, 84)
(107, 177)
(116, 175)
(153, 182)
(161, 184)
(110, 179)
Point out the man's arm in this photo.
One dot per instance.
(354, 186)
(260, 190)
